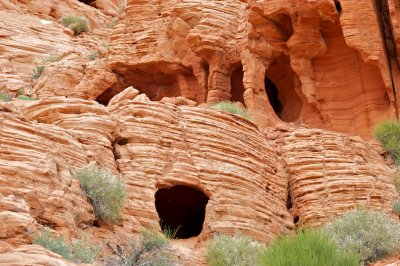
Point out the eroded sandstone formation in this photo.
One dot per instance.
(296, 65)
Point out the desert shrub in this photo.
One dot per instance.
(388, 133)
(113, 22)
(5, 97)
(75, 23)
(106, 191)
(307, 248)
(230, 107)
(239, 250)
(37, 71)
(151, 249)
(370, 234)
(50, 59)
(397, 181)
(396, 206)
(21, 91)
(81, 251)
(26, 98)
(93, 55)
(53, 243)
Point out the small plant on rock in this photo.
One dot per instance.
(370, 234)
(113, 22)
(388, 133)
(37, 72)
(76, 23)
(396, 207)
(5, 97)
(106, 191)
(239, 250)
(93, 55)
(232, 108)
(151, 249)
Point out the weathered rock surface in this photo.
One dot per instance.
(332, 173)
(33, 255)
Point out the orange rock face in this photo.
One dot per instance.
(132, 95)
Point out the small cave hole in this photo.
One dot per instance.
(272, 92)
(296, 219)
(181, 209)
(237, 86)
(338, 7)
(88, 2)
(122, 141)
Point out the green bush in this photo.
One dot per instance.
(26, 98)
(232, 108)
(152, 249)
(50, 59)
(93, 55)
(397, 181)
(53, 243)
(77, 24)
(307, 248)
(113, 22)
(78, 251)
(396, 207)
(238, 250)
(388, 133)
(5, 97)
(106, 191)
(370, 234)
(37, 72)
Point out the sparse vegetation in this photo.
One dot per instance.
(152, 249)
(397, 181)
(78, 251)
(370, 234)
(113, 22)
(238, 250)
(37, 72)
(388, 133)
(307, 248)
(106, 191)
(231, 107)
(396, 207)
(26, 98)
(5, 97)
(93, 55)
(76, 23)
(50, 59)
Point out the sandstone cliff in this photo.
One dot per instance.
(133, 97)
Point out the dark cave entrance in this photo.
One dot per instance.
(88, 2)
(280, 87)
(338, 7)
(181, 209)
(237, 86)
(272, 92)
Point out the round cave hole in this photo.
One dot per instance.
(87, 2)
(181, 209)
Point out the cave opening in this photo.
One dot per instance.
(88, 2)
(181, 209)
(338, 7)
(237, 86)
(280, 88)
(272, 93)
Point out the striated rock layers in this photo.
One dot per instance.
(160, 147)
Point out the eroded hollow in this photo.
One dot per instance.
(181, 209)
(272, 93)
(87, 2)
(338, 7)
(237, 86)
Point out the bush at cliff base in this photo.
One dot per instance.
(388, 133)
(370, 234)
(239, 250)
(232, 108)
(307, 248)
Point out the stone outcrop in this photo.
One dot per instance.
(34, 255)
(331, 174)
